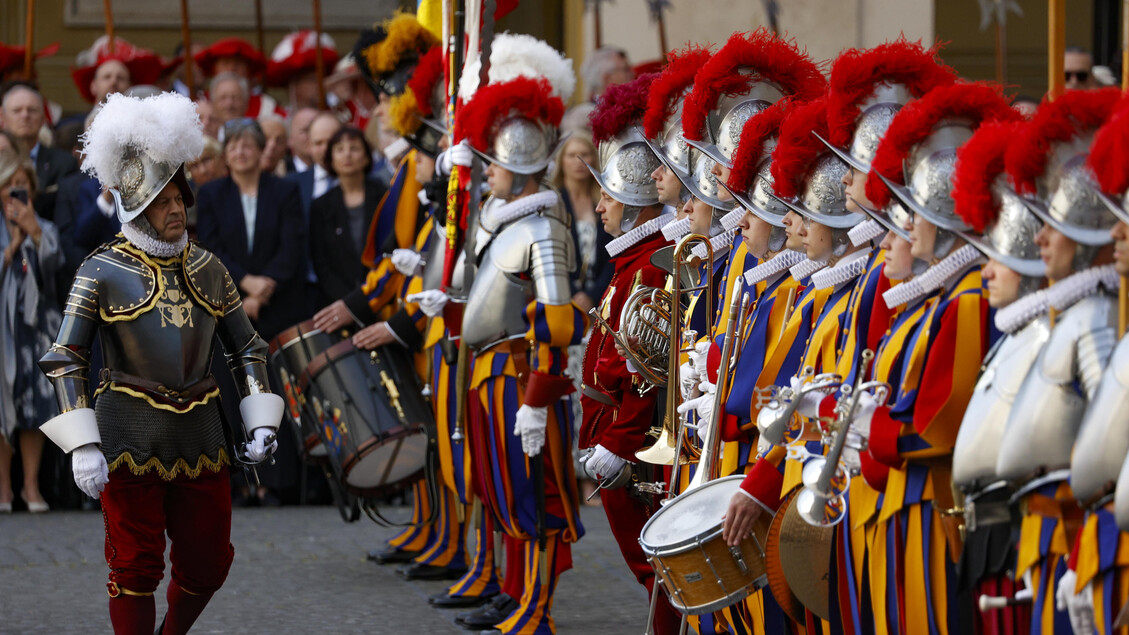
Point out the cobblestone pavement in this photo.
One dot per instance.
(296, 570)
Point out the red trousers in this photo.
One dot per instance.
(195, 512)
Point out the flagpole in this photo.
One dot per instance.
(319, 60)
(186, 38)
(108, 11)
(259, 35)
(1056, 47)
(29, 42)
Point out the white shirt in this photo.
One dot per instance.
(250, 211)
(322, 181)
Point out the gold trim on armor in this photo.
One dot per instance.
(150, 271)
(179, 467)
(148, 399)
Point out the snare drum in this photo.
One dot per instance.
(290, 352)
(683, 543)
(371, 415)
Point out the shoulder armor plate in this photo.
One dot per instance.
(121, 279)
(209, 282)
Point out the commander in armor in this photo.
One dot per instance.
(153, 445)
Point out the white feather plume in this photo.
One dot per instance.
(514, 55)
(165, 127)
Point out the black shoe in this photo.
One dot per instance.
(490, 615)
(417, 571)
(392, 555)
(446, 601)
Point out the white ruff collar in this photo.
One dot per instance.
(1018, 314)
(777, 264)
(524, 206)
(1066, 292)
(154, 246)
(676, 229)
(617, 246)
(720, 245)
(934, 277)
(865, 232)
(732, 220)
(805, 268)
(848, 268)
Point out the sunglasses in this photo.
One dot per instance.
(1079, 75)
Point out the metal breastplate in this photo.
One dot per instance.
(436, 253)
(1043, 425)
(170, 343)
(1103, 439)
(982, 430)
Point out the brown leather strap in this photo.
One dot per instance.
(596, 395)
(519, 353)
(156, 389)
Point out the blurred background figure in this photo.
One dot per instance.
(300, 158)
(1078, 65)
(606, 66)
(229, 94)
(29, 320)
(274, 127)
(292, 64)
(22, 114)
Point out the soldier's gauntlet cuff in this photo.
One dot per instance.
(263, 410)
(72, 429)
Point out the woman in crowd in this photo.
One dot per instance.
(29, 319)
(340, 218)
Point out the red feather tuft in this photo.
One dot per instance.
(477, 120)
(758, 130)
(620, 106)
(1075, 112)
(669, 87)
(979, 162)
(1109, 155)
(978, 102)
(770, 59)
(856, 72)
(422, 83)
(797, 147)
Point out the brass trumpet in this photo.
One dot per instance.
(785, 427)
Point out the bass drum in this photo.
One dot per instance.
(700, 573)
(372, 417)
(290, 352)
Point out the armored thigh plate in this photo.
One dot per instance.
(1048, 410)
(982, 431)
(1103, 439)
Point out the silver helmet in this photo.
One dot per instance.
(824, 199)
(894, 218)
(1075, 209)
(522, 146)
(702, 183)
(140, 181)
(625, 171)
(760, 199)
(725, 122)
(1010, 240)
(672, 150)
(875, 115)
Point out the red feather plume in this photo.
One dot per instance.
(758, 130)
(668, 88)
(531, 98)
(979, 162)
(620, 106)
(1109, 156)
(856, 72)
(770, 58)
(978, 102)
(797, 147)
(428, 71)
(1075, 112)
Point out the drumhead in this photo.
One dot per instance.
(389, 462)
(692, 514)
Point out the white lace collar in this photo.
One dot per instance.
(1019, 314)
(865, 232)
(524, 206)
(617, 246)
(848, 268)
(150, 244)
(777, 264)
(676, 229)
(805, 268)
(720, 244)
(934, 277)
(1066, 292)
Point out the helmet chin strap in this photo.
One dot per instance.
(943, 243)
(840, 243)
(629, 218)
(517, 186)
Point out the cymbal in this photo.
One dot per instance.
(805, 557)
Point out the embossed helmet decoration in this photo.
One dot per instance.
(135, 147)
(920, 149)
(626, 163)
(750, 182)
(662, 121)
(1047, 167)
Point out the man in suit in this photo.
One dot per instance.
(314, 182)
(21, 113)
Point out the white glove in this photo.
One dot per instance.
(809, 402)
(91, 473)
(703, 405)
(258, 450)
(431, 302)
(460, 155)
(530, 426)
(864, 414)
(699, 358)
(602, 462)
(1080, 606)
(406, 261)
(688, 379)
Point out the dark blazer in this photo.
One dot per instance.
(51, 165)
(336, 260)
(305, 183)
(598, 275)
(82, 226)
(279, 244)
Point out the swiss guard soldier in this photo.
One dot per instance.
(153, 446)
